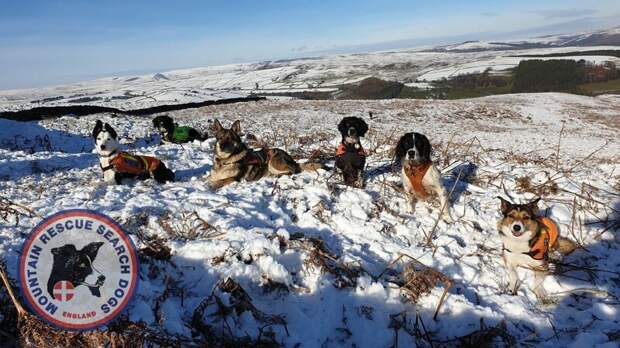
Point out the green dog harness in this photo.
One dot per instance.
(181, 134)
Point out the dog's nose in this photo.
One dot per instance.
(516, 228)
(102, 147)
(411, 153)
(352, 131)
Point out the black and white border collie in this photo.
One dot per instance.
(112, 161)
(421, 178)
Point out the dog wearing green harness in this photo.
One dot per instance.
(173, 133)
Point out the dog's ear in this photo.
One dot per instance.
(424, 146)
(236, 127)
(362, 127)
(342, 126)
(167, 120)
(67, 249)
(111, 131)
(97, 129)
(216, 126)
(399, 150)
(92, 249)
(533, 206)
(505, 206)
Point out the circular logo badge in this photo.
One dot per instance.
(78, 269)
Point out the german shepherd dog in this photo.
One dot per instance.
(421, 178)
(235, 161)
(528, 239)
(350, 156)
(118, 165)
(173, 133)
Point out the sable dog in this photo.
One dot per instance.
(421, 178)
(173, 133)
(350, 156)
(527, 240)
(118, 165)
(234, 161)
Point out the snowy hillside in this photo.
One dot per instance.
(311, 253)
(610, 37)
(502, 63)
(319, 74)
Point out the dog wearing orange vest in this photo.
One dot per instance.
(421, 178)
(528, 239)
(350, 156)
(118, 165)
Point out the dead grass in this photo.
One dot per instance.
(524, 184)
(154, 247)
(189, 226)
(414, 279)
(218, 332)
(11, 211)
(321, 258)
(494, 336)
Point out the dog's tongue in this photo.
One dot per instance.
(95, 291)
(517, 234)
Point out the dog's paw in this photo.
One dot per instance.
(212, 186)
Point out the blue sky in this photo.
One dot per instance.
(50, 42)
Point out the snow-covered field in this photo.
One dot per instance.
(259, 234)
(503, 63)
(305, 74)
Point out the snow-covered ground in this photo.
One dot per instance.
(260, 234)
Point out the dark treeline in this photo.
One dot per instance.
(611, 53)
(559, 75)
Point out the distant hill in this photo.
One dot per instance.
(607, 37)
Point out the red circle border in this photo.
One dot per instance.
(95, 216)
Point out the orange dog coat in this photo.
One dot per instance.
(342, 149)
(127, 163)
(548, 237)
(415, 174)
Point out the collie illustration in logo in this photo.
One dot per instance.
(78, 270)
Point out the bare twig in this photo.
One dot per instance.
(5, 280)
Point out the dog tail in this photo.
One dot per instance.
(312, 166)
(565, 246)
